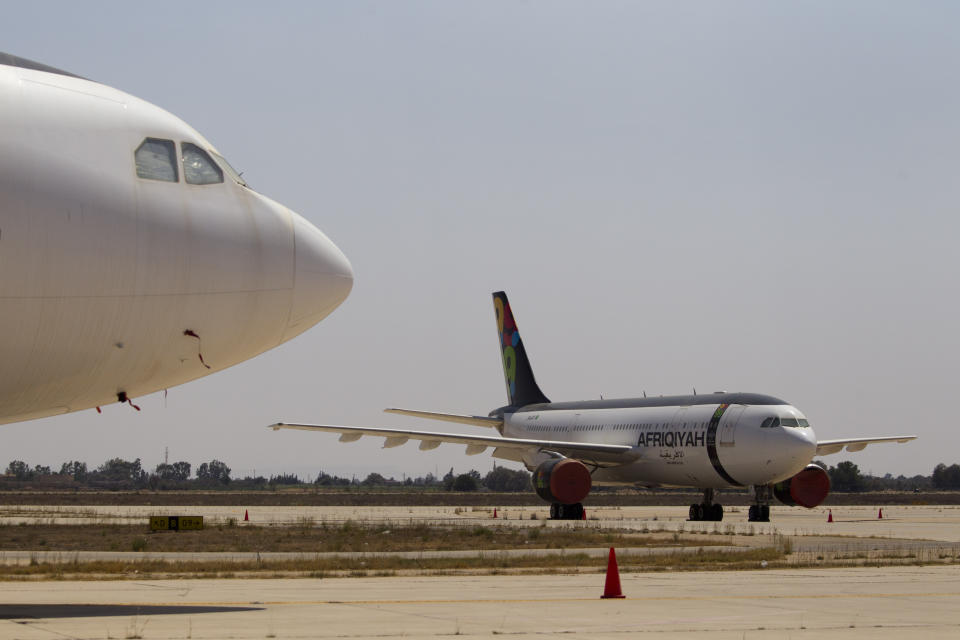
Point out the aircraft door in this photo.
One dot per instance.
(680, 416)
(728, 425)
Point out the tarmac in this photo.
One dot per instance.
(861, 602)
(900, 602)
(926, 522)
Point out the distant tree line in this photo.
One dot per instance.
(846, 477)
(945, 477)
(119, 474)
(500, 479)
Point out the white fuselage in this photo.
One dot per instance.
(683, 446)
(103, 273)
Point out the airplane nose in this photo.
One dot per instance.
(799, 444)
(322, 277)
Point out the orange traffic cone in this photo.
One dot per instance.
(494, 512)
(880, 514)
(612, 587)
(246, 515)
(830, 515)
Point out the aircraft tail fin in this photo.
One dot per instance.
(522, 388)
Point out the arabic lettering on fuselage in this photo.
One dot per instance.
(674, 456)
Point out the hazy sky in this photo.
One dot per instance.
(749, 196)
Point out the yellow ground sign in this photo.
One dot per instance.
(176, 523)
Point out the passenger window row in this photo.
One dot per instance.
(157, 160)
(767, 424)
(631, 427)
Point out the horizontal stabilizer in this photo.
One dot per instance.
(480, 421)
(826, 447)
(605, 454)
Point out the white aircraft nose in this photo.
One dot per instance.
(322, 277)
(799, 444)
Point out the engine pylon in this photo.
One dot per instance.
(611, 589)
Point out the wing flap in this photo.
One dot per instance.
(826, 447)
(394, 441)
(609, 453)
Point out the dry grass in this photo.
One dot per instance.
(703, 559)
(378, 539)
(321, 567)
(309, 537)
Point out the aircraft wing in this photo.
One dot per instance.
(480, 421)
(588, 452)
(826, 447)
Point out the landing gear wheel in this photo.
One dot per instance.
(759, 513)
(560, 511)
(708, 509)
(760, 509)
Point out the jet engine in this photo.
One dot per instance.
(562, 481)
(807, 489)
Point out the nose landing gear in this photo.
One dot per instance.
(760, 510)
(708, 509)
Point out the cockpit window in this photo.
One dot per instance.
(789, 422)
(803, 423)
(233, 173)
(156, 160)
(769, 423)
(198, 168)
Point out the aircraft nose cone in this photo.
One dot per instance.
(799, 444)
(322, 277)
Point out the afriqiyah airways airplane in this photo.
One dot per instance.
(132, 257)
(710, 442)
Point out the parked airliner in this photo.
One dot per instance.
(133, 257)
(710, 442)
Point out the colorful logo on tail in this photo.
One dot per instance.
(509, 337)
(522, 389)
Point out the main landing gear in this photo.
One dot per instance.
(566, 511)
(708, 509)
(760, 509)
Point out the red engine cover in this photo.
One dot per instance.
(807, 489)
(563, 480)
